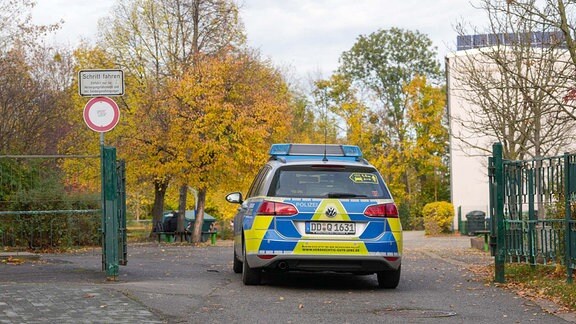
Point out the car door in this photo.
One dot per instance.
(245, 209)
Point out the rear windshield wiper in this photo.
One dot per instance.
(344, 195)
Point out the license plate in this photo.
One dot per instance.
(330, 228)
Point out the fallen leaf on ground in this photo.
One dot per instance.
(13, 261)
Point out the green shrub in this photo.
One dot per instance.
(438, 217)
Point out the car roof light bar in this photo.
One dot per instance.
(280, 149)
(315, 150)
(352, 150)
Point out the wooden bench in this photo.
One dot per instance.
(184, 236)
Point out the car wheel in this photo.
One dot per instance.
(389, 279)
(250, 276)
(237, 264)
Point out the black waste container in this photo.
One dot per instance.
(171, 223)
(475, 221)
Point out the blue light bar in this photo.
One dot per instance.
(352, 150)
(331, 150)
(280, 149)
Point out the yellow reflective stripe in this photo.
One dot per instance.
(331, 248)
(396, 228)
(255, 235)
(328, 237)
(320, 212)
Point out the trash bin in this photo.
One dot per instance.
(475, 221)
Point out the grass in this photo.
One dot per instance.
(138, 232)
(546, 282)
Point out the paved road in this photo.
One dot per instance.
(182, 284)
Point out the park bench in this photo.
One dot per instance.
(160, 230)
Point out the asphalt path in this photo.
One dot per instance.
(180, 283)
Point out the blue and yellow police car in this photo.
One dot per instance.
(316, 207)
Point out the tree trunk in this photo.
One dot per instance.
(182, 208)
(160, 187)
(197, 234)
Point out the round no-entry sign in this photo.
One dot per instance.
(101, 114)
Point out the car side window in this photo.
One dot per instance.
(256, 187)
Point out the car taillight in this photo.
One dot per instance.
(382, 210)
(266, 256)
(276, 209)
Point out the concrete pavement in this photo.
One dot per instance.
(173, 283)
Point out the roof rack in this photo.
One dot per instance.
(306, 151)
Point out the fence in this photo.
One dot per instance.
(532, 207)
(60, 229)
(49, 202)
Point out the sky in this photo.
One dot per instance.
(304, 37)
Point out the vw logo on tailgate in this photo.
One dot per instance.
(331, 212)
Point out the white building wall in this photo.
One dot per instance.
(468, 166)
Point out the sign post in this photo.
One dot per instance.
(101, 114)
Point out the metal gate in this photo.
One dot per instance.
(114, 245)
(532, 208)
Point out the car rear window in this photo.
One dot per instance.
(328, 182)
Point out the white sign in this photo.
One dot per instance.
(101, 114)
(94, 83)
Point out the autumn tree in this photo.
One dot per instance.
(35, 78)
(507, 90)
(305, 127)
(230, 109)
(31, 82)
(348, 115)
(514, 86)
(16, 27)
(381, 65)
(426, 116)
(547, 15)
(157, 43)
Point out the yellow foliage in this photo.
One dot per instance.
(227, 113)
(210, 127)
(438, 217)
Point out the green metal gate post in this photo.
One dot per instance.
(492, 199)
(121, 204)
(531, 218)
(499, 213)
(568, 217)
(460, 229)
(110, 213)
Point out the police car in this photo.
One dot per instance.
(317, 208)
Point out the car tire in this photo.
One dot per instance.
(250, 276)
(389, 279)
(237, 267)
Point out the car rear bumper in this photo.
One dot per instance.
(338, 263)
